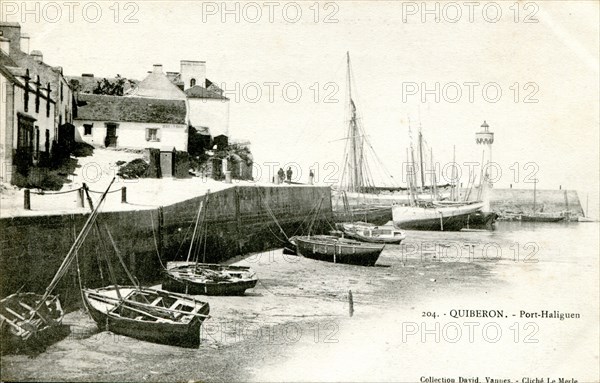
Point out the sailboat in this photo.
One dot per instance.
(432, 214)
(586, 217)
(328, 248)
(356, 196)
(194, 277)
(144, 313)
(147, 314)
(536, 216)
(30, 321)
(368, 232)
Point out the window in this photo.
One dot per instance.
(61, 91)
(87, 129)
(152, 134)
(192, 82)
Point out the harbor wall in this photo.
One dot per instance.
(548, 201)
(32, 248)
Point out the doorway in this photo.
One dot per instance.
(111, 136)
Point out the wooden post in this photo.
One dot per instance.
(238, 219)
(350, 303)
(27, 199)
(161, 224)
(80, 198)
(124, 194)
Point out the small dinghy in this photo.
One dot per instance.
(368, 232)
(147, 314)
(27, 325)
(208, 278)
(337, 250)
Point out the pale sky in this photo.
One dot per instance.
(558, 57)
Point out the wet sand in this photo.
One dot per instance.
(295, 325)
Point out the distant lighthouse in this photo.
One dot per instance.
(485, 137)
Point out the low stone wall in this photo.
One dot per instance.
(32, 248)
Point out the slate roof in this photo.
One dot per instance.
(199, 92)
(47, 73)
(157, 85)
(93, 107)
(5, 60)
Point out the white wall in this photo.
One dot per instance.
(42, 122)
(211, 113)
(133, 135)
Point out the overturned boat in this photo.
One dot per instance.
(208, 278)
(147, 314)
(337, 250)
(368, 232)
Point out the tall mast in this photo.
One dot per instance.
(421, 164)
(454, 195)
(354, 135)
(534, 192)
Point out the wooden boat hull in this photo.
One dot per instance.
(183, 278)
(540, 218)
(375, 215)
(183, 333)
(385, 241)
(450, 218)
(337, 250)
(376, 234)
(482, 220)
(20, 332)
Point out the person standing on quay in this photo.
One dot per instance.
(281, 175)
(289, 174)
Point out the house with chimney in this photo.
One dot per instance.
(34, 62)
(27, 114)
(153, 115)
(208, 109)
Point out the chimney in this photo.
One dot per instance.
(12, 32)
(5, 45)
(25, 43)
(193, 73)
(157, 68)
(37, 55)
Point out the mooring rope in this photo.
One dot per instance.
(54, 193)
(98, 192)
